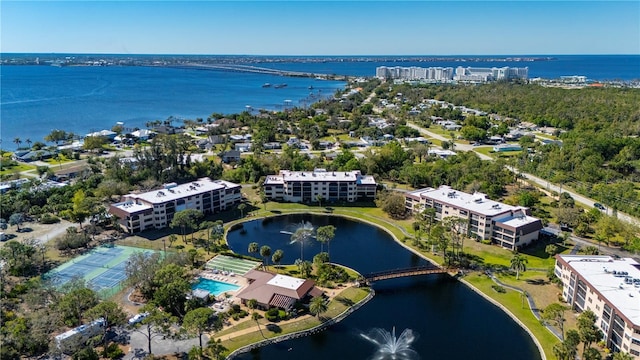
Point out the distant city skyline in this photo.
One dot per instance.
(321, 27)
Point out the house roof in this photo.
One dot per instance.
(268, 288)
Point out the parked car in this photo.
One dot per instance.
(599, 206)
(137, 318)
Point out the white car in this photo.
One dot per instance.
(137, 318)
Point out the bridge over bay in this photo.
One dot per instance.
(261, 70)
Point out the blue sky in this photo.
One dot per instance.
(321, 27)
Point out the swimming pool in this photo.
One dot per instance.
(214, 287)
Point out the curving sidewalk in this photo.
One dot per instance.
(532, 305)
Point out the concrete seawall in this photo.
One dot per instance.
(306, 332)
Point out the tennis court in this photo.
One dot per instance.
(102, 268)
(228, 263)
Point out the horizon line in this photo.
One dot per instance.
(316, 55)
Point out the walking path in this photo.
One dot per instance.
(532, 304)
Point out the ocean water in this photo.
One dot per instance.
(37, 99)
(594, 67)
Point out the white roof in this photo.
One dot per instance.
(102, 133)
(598, 272)
(517, 220)
(286, 282)
(477, 202)
(320, 175)
(132, 207)
(142, 133)
(200, 186)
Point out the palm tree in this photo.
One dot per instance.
(253, 248)
(255, 317)
(265, 252)
(29, 142)
(325, 234)
(319, 200)
(600, 238)
(241, 207)
(17, 141)
(318, 306)
(215, 350)
(277, 257)
(306, 267)
(300, 236)
(519, 264)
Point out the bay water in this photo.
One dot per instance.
(37, 99)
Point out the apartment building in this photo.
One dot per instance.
(610, 288)
(508, 226)
(307, 186)
(477, 74)
(155, 209)
(443, 74)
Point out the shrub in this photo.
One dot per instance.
(49, 219)
(486, 242)
(113, 351)
(499, 289)
(272, 314)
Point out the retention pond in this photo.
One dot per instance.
(446, 319)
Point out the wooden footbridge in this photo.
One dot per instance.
(398, 273)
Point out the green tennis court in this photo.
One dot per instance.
(228, 263)
(103, 268)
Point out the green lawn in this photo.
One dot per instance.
(335, 307)
(19, 167)
(513, 301)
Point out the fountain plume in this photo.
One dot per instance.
(390, 347)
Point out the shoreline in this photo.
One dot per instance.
(407, 247)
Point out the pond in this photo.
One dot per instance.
(448, 319)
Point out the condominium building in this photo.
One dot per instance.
(155, 209)
(309, 186)
(610, 288)
(444, 74)
(476, 74)
(508, 226)
(415, 73)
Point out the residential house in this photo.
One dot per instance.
(230, 156)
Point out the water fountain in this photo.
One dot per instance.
(302, 233)
(390, 347)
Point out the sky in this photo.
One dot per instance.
(321, 27)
